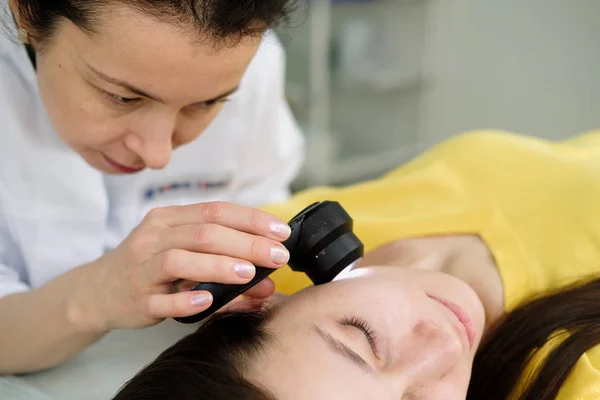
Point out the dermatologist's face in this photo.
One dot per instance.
(126, 96)
(377, 333)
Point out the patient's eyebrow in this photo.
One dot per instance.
(340, 348)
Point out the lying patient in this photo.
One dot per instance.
(479, 282)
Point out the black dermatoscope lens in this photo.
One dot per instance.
(322, 244)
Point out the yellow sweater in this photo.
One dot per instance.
(536, 204)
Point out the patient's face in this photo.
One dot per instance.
(379, 333)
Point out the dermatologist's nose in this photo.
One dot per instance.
(153, 142)
(155, 153)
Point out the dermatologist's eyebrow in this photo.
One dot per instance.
(340, 348)
(143, 93)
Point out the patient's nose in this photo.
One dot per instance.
(428, 354)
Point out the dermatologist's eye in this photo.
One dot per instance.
(212, 103)
(120, 100)
(205, 106)
(362, 325)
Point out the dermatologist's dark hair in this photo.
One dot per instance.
(210, 363)
(220, 20)
(501, 363)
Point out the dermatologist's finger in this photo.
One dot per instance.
(181, 304)
(262, 289)
(221, 240)
(240, 218)
(189, 303)
(176, 264)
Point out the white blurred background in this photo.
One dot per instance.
(374, 82)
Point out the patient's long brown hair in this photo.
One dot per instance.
(209, 364)
(501, 362)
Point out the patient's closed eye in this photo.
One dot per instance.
(365, 328)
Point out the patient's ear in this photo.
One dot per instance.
(250, 304)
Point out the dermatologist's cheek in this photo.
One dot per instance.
(188, 133)
(194, 128)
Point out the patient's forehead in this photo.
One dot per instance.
(297, 365)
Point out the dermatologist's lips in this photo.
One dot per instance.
(462, 316)
(120, 167)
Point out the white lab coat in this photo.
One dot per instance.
(56, 212)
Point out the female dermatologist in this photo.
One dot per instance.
(99, 213)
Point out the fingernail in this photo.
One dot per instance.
(280, 229)
(200, 300)
(279, 256)
(245, 271)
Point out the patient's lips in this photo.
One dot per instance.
(465, 323)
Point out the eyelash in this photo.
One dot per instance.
(363, 326)
(212, 103)
(120, 100)
(126, 101)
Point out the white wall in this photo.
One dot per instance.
(528, 66)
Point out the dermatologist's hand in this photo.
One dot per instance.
(132, 286)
